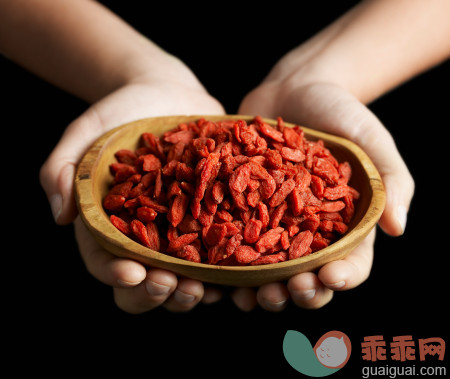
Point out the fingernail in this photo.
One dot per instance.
(183, 298)
(306, 294)
(156, 289)
(56, 205)
(277, 305)
(402, 216)
(124, 283)
(336, 285)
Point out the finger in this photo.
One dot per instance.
(399, 193)
(105, 267)
(351, 271)
(273, 297)
(154, 291)
(186, 296)
(56, 177)
(307, 291)
(244, 298)
(212, 295)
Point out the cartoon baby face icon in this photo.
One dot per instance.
(333, 349)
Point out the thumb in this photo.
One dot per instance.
(58, 171)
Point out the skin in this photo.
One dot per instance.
(325, 83)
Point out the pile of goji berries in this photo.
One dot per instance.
(231, 193)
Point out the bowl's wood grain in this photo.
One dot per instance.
(93, 179)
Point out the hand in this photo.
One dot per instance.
(136, 289)
(332, 109)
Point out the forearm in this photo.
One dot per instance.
(373, 48)
(81, 46)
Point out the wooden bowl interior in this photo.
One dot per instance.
(93, 181)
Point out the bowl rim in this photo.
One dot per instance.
(96, 220)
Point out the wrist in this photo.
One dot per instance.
(159, 67)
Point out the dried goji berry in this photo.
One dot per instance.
(150, 162)
(154, 241)
(126, 156)
(319, 242)
(280, 195)
(245, 254)
(233, 243)
(145, 201)
(345, 172)
(218, 192)
(184, 136)
(146, 214)
(113, 203)
(278, 214)
(189, 225)
(336, 192)
(205, 175)
(239, 178)
(174, 189)
(153, 143)
(300, 244)
(340, 227)
(318, 186)
(178, 209)
(222, 216)
(252, 230)
(122, 171)
(140, 232)
(293, 155)
(311, 222)
(254, 198)
(179, 242)
(284, 239)
(293, 139)
(183, 172)
(269, 131)
(217, 253)
(269, 259)
(216, 233)
(189, 253)
(263, 214)
(122, 189)
(332, 206)
(120, 224)
(274, 158)
(326, 170)
(296, 202)
(268, 239)
(348, 210)
(326, 225)
(175, 152)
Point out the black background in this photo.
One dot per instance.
(62, 320)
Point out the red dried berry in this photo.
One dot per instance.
(252, 230)
(245, 254)
(268, 239)
(121, 224)
(300, 244)
(146, 214)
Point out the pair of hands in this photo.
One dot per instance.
(327, 107)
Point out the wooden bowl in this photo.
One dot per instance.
(93, 179)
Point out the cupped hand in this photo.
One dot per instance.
(332, 109)
(136, 288)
